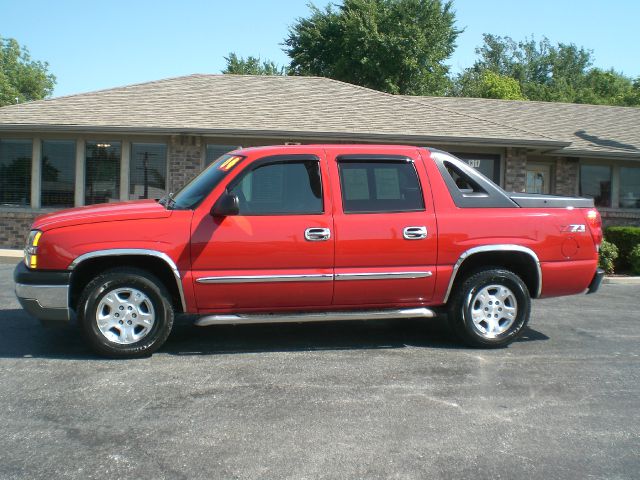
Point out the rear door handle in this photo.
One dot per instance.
(317, 234)
(414, 233)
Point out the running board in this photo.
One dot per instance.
(299, 317)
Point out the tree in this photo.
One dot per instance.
(396, 46)
(489, 84)
(21, 78)
(547, 72)
(251, 66)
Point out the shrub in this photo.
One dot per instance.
(625, 238)
(634, 260)
(608, 255)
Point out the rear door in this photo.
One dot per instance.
(278, 252)
(385, 228)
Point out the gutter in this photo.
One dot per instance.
(353, 136)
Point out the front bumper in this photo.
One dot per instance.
(597, 281)
(43, 294)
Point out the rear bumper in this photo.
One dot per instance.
(43, 294)
(596, 281)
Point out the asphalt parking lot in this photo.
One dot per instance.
(370, 400)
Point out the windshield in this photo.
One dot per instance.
(197, 189)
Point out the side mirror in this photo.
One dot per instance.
(227, 205)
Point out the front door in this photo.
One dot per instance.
(385, 229)
(278, 252)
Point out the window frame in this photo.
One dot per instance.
(280, 159)
(29, 190)
(372, 159)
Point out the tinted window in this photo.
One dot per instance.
(291, 187)
(595, 182)
(58, 172)
(15, 172)
(102, 172)
(380, 186)
(147, 171)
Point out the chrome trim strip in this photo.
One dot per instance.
(382, 275)
(321, 277)
(494, 248)
(47, 296)
(298, 317)
(136, 251)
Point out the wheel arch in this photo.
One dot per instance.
(519, 259)
(88, 265)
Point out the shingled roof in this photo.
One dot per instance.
(592, 130)
(272, 106)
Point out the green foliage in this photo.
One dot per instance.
(608, 256)
(634, 260)
(626, 239)
(396, 46)
(21, 77)
(488, 84)
(251, 66)
(547, 72)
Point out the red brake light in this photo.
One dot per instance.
(595, 225)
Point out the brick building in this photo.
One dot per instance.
(141, 140)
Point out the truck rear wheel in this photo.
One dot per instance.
(490, 308)
(125, 313)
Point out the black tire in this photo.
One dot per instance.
(465, 301)
(119, 280)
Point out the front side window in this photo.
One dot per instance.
(280, 188)
(58, 171)
(630, 187)
(380, 186)
(147, 171)
(102, 172)
(15, 172)
(595, 182)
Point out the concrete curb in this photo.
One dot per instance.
(621, 280)
(7, 253)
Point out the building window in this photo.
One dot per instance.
(15, 172)
(147, 171)
(630, 187)
(58, 173)
(595, 182)
(538, 178)
(216, 151)
(488, 165)
(102, 172)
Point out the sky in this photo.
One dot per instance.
(97, 44)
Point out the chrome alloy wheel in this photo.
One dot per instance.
(125, 315)
(493, 310)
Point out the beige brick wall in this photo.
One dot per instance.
(184, 155)
(14, 227)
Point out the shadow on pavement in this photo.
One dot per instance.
(24, 337)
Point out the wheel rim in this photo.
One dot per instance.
(125, 315)
(493, 310)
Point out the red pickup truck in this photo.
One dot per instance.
(311, 233)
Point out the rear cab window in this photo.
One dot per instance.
(379, 184)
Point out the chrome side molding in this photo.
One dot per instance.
(312, 277)
(301, 317)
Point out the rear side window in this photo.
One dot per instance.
(380, 186)
(280, 188)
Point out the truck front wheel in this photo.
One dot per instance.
(125, 313)
(490, 308)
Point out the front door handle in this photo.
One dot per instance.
(317, 234)
(414, 233)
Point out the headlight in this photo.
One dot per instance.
(31, 250)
